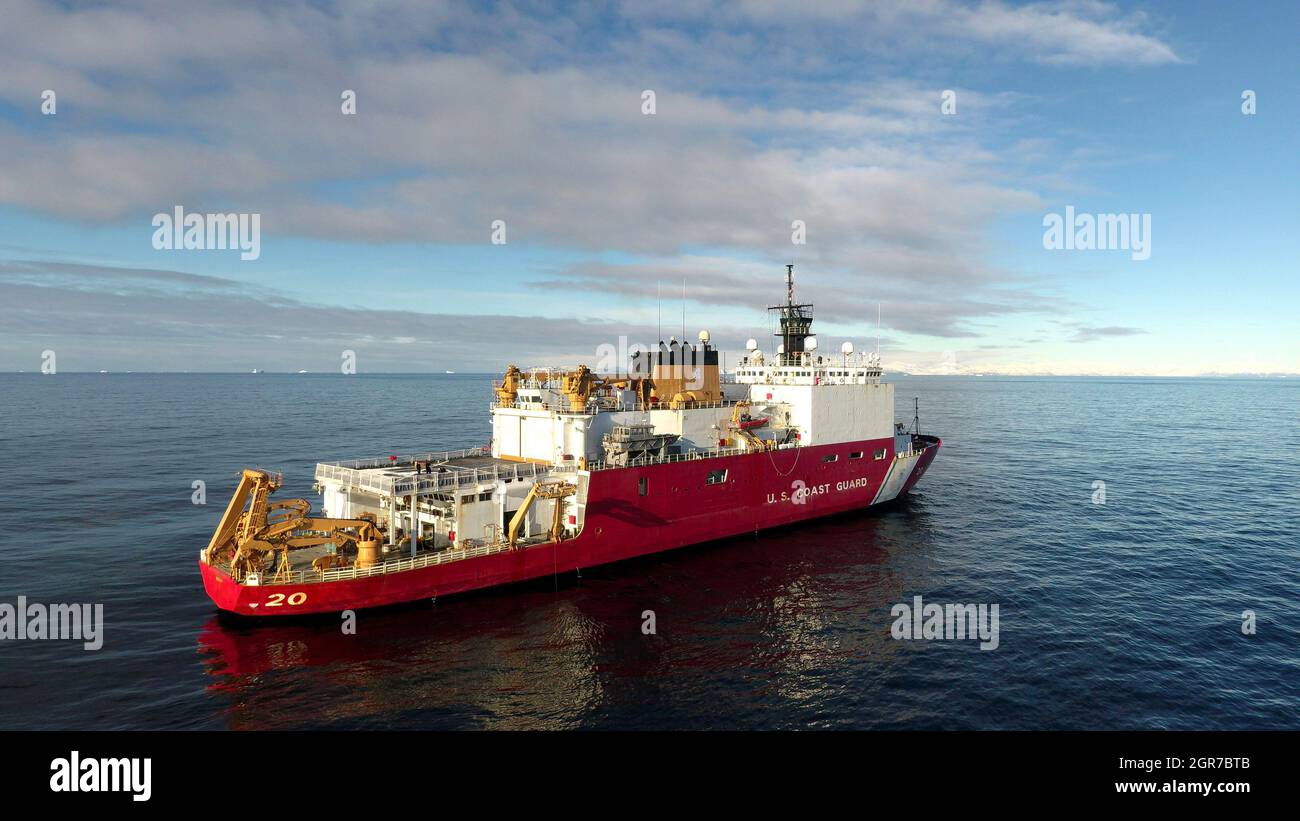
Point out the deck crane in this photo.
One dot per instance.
(253, 528)
(541, 490)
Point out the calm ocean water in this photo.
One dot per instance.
(1122, 615)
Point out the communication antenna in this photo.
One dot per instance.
(877, 330)
(916, 415)
(659, 285)
(683, 309)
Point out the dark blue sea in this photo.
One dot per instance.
(1126, 614)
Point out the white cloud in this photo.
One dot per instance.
(466, 116)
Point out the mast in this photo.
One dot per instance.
(796, 322)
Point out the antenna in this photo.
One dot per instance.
(660, 286)
(916, 415)
(877, 330)
(683, 309)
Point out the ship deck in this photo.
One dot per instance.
(428, 473)
(397, 559)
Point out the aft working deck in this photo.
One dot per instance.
(301, 571)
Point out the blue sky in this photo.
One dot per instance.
(375, 227)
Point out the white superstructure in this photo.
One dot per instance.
(559, 424)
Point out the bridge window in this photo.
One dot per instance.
(716, 477)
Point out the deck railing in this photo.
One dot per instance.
(561, 408)
(383, 568)
(385, 461)
(363, 477)
(689, 456)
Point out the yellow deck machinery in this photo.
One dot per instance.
(253, 529)
(541, 490)
(577, 386)
(739, 415)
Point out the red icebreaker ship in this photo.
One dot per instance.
(583, 469)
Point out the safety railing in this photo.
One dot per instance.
(689, 456)
(383, 568)
(385, 461)
(561, 407)
(453, 479)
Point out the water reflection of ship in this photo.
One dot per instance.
(480, 664)
(773, 610)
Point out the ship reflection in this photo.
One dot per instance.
(782, 618)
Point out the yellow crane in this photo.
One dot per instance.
(508, 390)
(577, 385)
(253, 528)
(541, 490)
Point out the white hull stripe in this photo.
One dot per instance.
(899, 472)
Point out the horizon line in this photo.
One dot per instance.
(976, 375)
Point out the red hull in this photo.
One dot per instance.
(763, 490)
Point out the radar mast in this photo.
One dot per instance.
(796, 323)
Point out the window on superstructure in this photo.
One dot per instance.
(880, 454)
(716, 477)
(831, 457)
(857, 454)
(642, 486)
